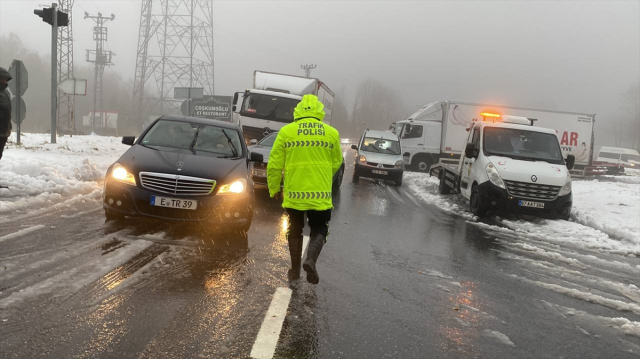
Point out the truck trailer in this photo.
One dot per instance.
(268, 106)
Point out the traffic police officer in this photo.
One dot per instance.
(309, 152)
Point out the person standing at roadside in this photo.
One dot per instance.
(5, 109)
(309, 152)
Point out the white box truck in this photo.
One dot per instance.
(268, 106)
(511, 166)
(437, 132)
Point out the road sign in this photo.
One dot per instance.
(18, 85)
(18, 110)
(184, 108)
(188, 92)
(214, 107)
(73, 87)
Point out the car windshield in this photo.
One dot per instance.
(268, 141)
(613, 156)
(194, 137)
(522, 144)
(628, 158)
(269, 107)
(381, 146)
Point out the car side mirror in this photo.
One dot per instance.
(128, 140)
(256, 157)
(470, 151)
(571, 161)
(253, 141)
(354, 147)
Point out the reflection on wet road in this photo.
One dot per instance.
(399, 278)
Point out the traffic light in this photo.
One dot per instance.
(47, 16)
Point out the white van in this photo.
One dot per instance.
(378, 155)
(511, 166)
(616, 158)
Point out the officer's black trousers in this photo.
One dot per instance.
(319, 223)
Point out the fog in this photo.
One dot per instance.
(560, 55)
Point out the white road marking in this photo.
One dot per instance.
(265, 344)
(305, 244)
(21, 232)
(394, 194)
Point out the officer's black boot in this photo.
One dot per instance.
(295, 251)
(315, 246)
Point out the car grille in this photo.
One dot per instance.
(376, 165)
(176, 184)
(532, 190)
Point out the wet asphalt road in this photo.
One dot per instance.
(399, 279)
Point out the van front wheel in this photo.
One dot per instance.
(475, 203)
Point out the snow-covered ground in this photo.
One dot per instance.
(606, 211)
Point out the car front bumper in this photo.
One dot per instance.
(135, 201)
(392, 174)
(498, 198)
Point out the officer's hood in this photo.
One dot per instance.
(6, 74)
(310, 106)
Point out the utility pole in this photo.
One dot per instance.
(54, 72)
(66, 102)
(100, 58)
(54, 18)
(307, 69)
(175, 49)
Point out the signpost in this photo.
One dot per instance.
(214, 107)
(73, 87)
(18, 86)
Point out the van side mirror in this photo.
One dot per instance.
(470, 151)
(235, 99)
(256, 157)
(355, 147)
(571, 161)
(128, 140)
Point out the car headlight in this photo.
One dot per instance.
(494, 176)
(363, 159)
(566, 189)
(399, 164)
(121, 174)
(237, 186)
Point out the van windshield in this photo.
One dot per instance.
(380, 146)
(269, 107)
(522, 145)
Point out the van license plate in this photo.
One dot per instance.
(378, 172)
(530, 204)
(173, 202)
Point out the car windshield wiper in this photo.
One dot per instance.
(193, 143)
(233, 148)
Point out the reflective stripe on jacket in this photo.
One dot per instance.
(309, 152)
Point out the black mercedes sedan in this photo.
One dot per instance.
(183, 168)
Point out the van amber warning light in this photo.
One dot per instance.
(489, 114)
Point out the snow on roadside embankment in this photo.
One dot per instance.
(39, 173)
(605, 215)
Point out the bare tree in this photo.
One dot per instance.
(631, 105)
(376, 106)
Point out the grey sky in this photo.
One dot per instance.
(565, 55)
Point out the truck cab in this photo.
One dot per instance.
(510, 165)
(421, 139)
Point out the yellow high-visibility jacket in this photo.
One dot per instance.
(309, 152)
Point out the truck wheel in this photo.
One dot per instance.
(443, 188)
(475, 203)
(421, 163)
